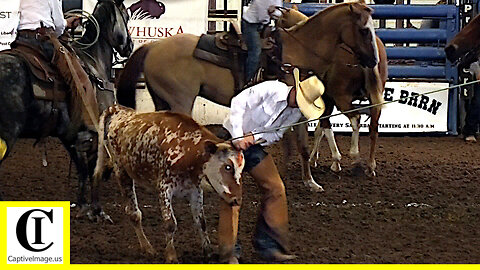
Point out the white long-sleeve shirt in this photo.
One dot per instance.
(262, 107)
(257, 11)
(33, 12)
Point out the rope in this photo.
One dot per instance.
(90, 17)
(355, 110)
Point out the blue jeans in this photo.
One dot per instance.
(472, 119)
(251, 34)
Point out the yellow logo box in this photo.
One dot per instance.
(30, 234)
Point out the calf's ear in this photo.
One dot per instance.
(210, 147)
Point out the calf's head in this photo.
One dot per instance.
(223, 171)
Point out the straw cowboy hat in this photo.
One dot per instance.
(309, 96)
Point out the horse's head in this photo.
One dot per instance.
(113, 18)
(224, 171)
(290, 17)
(358, 33)
(465, 46)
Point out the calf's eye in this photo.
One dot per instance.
(228, 167)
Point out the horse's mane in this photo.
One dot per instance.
(314, 18)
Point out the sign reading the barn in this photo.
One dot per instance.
(414, 113)
(9, 18)
(151, 20)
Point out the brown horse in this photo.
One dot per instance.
(464, 48)
(345, 82)
(331, 41)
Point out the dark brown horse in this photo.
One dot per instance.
(331, 41)
(345, 81)
(464, 48)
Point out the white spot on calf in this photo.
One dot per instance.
(174, 154)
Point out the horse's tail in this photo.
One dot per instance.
(127, 82)
(102, 151)
(373, 85)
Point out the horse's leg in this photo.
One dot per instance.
(127, 188)
(302, 146)
(170, 223)
(354, 151)
(196, 207)
(336, 156)
(318, 136)
(325, 129)
(97, 161)
(287, 142)
(344, 103)
(81, 165)
(371, 164)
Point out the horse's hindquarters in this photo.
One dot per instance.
(176, 77)
(15, 97)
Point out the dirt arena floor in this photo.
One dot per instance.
(423, 207)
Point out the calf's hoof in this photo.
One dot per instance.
(336, 167)
(171, 259)
(370, 172)
(233, 260)
(313, 186)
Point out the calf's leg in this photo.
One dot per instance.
(127, 186)
(169, 222)
(196, 207)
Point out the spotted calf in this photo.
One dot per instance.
(171, 153)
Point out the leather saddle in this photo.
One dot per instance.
(228, 50)
(233, 38)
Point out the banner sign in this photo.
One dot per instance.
(415, 114)
(9, 19)
(151, 20)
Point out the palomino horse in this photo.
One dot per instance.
(21, 115)
(464, 48)
(174, 77)
(345, 82)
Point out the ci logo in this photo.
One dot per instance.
(22, 230)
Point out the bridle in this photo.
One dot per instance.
(124, 15)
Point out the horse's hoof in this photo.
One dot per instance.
(314, 186)
(84, 211)
(336, 167)
(370, 173)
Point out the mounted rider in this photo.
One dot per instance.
(256, 16)
(42, 27)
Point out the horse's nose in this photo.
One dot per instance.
(450, 52)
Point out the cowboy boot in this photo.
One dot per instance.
(270, 238)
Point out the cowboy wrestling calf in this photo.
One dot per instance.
(171, 153)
